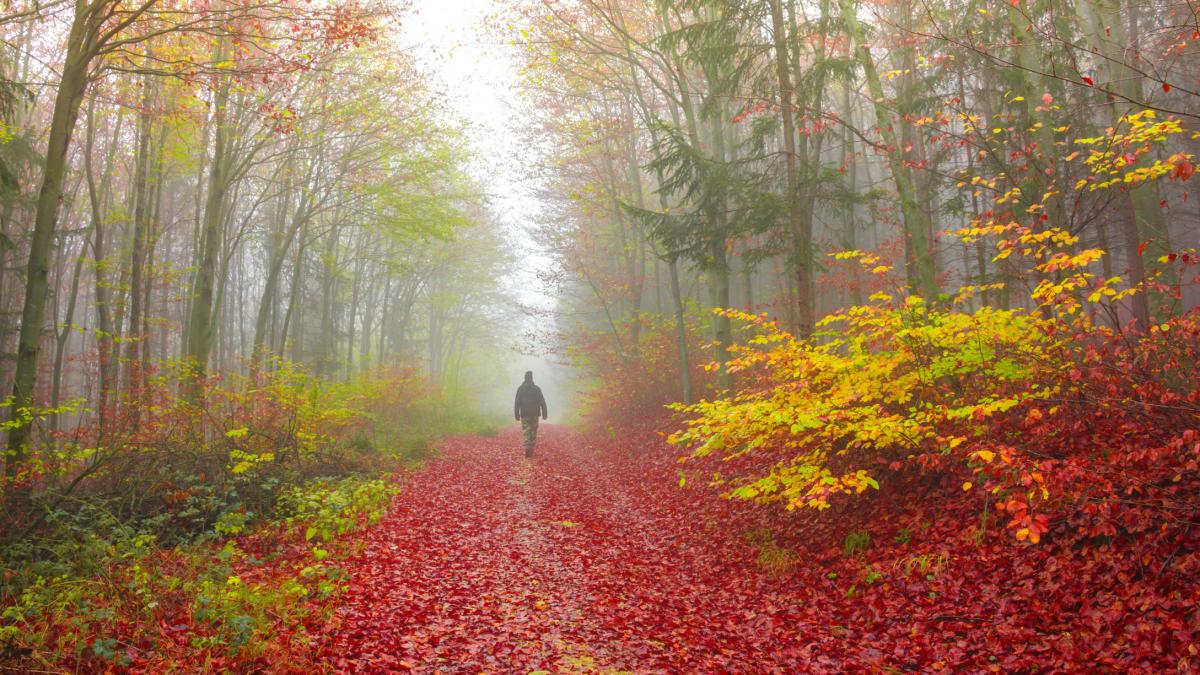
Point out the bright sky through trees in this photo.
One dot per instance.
(474, 65)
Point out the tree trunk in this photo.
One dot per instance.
(685, 371)
(801, 229)
(141, 228)
(199, 337)
(62, 124)
(923, 279)
(274, 271)
(64, 335)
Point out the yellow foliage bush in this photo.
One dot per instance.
(889, 381)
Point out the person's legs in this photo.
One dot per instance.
(529, 426)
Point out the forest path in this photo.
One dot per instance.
(569, 562)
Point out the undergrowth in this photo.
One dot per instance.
(221, 550)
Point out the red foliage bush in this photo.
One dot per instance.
(1100, 481)
(634, 380)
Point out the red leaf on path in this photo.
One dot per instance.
(1183, 170)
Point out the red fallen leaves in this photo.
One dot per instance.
(493, 563)
(591, 557)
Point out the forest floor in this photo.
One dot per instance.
(568, 562)
(606, 555)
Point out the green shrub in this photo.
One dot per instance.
(328, 508)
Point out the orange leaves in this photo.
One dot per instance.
(1027, 526)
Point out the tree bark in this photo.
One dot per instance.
(685, 371)
(67, 102)
(198, 344)
(923, 278)
(800, 228)
(141, 228)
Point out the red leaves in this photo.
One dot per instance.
(1183, 170)
(592, 553)
(1088, 81)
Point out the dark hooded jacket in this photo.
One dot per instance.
(529, 403)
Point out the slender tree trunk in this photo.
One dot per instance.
(295, 291)
(923, 279)
(685, 371)
(327, 343)
(355, 285)
(801, 229)
(37, 280)
(849, 223)
(64, 335)
(200, 326)
(274, 272)
(98, 197)
(141, 229)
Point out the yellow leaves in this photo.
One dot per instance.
(1119, 158)
(849, 255)
(879, 387)
(869, 261)
(241, 462)
(967, 292)
(1108, 290)
(1059, 262)
(977, 231)
(1012, 194)
(967, 486)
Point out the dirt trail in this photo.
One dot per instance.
(565, 563)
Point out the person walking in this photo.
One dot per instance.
(526, 408)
